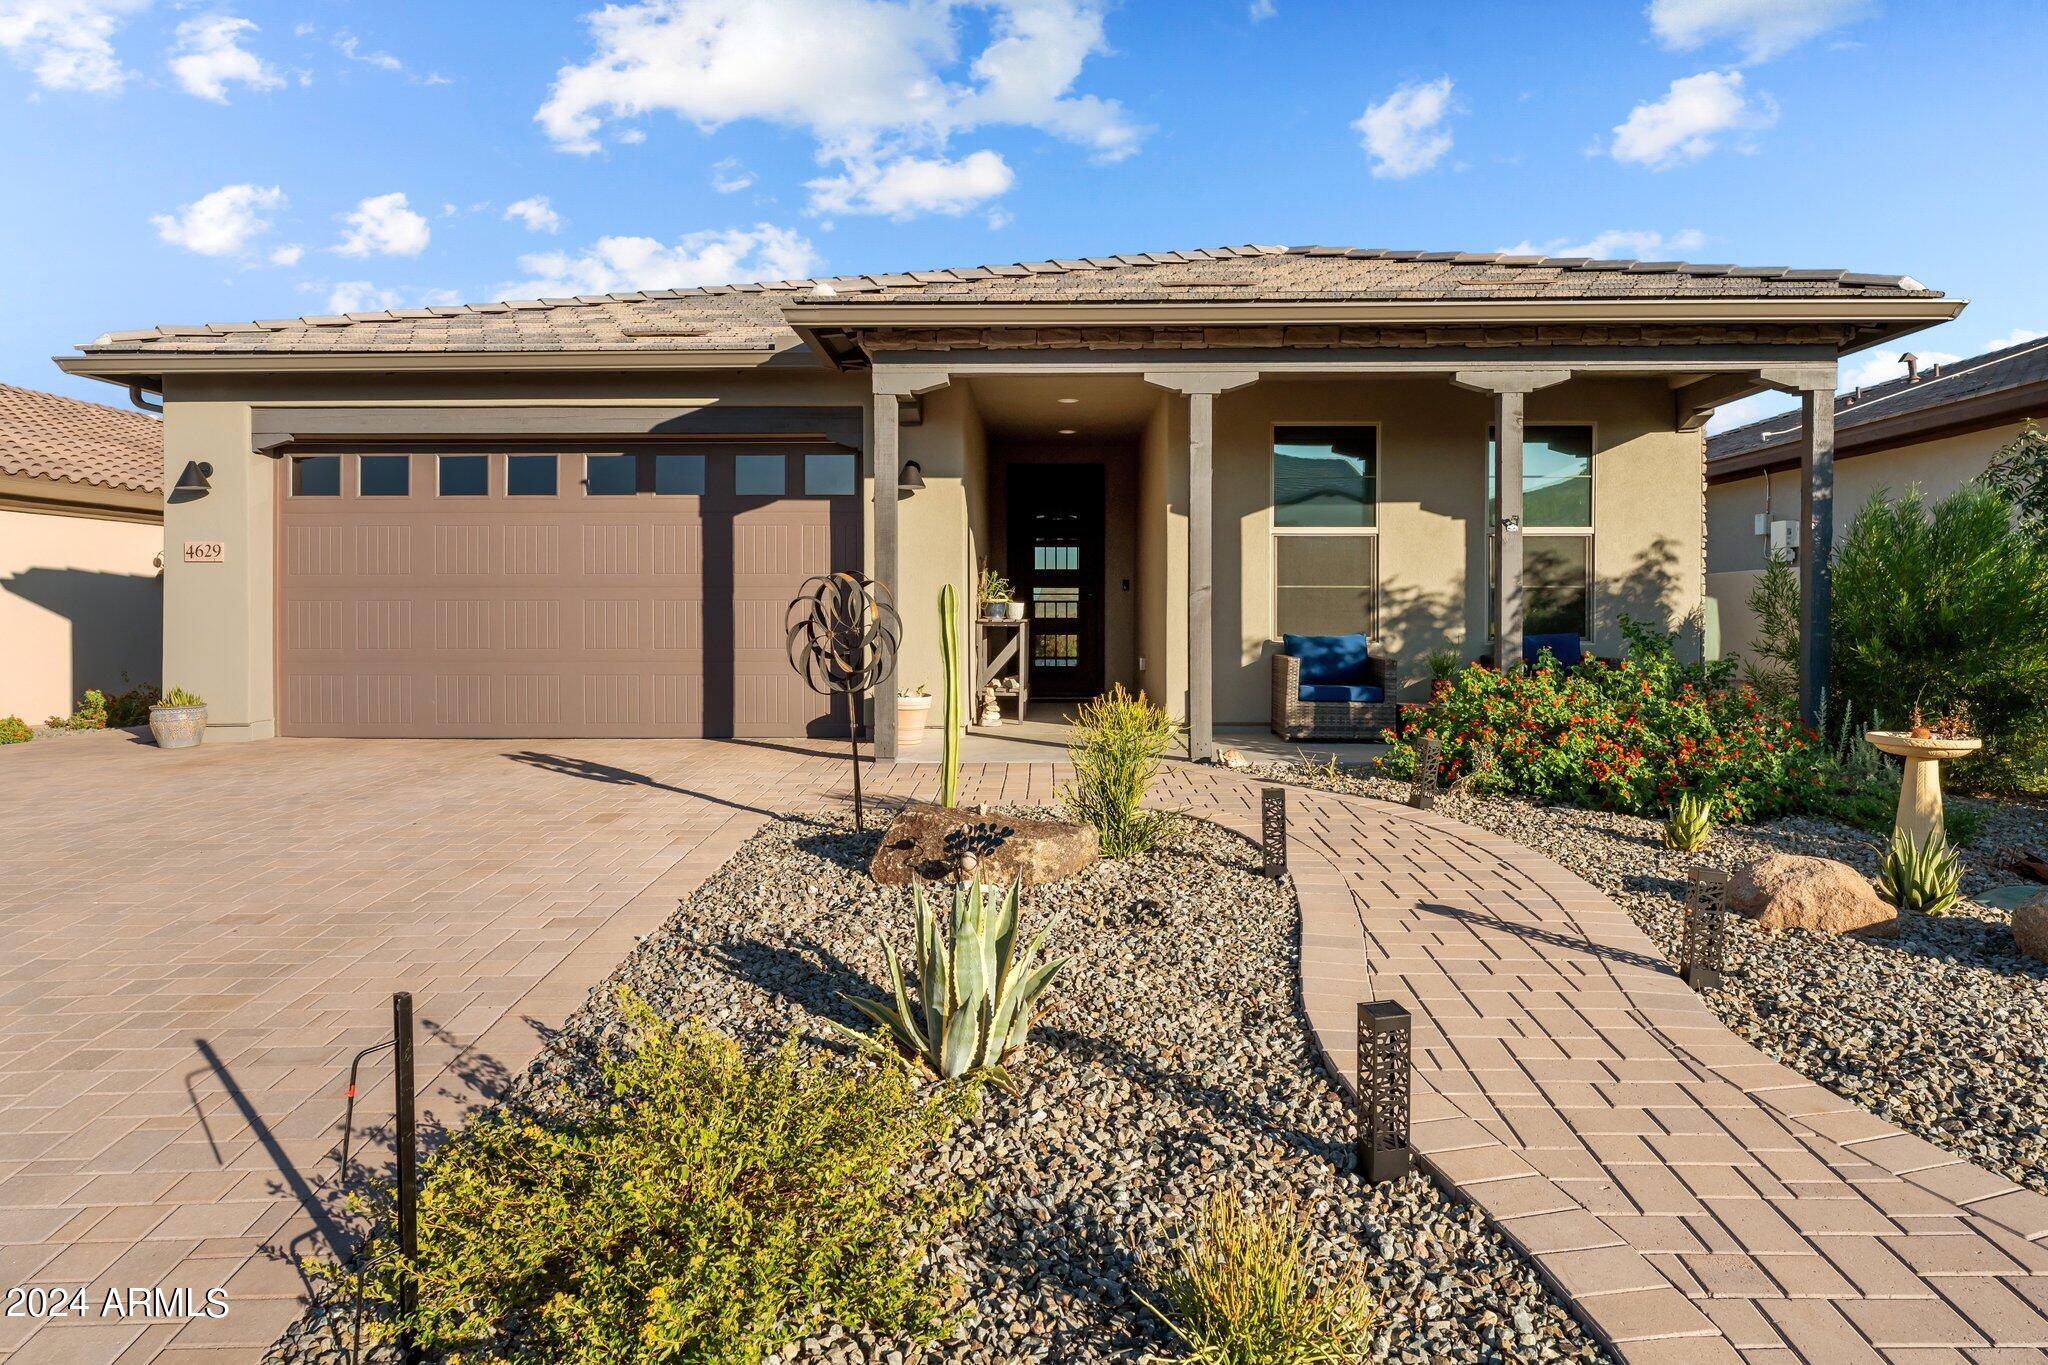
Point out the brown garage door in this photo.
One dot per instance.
(555, 594)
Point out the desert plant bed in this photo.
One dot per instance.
(1942, 1030)
(1169, 1064)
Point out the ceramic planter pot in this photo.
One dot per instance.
(911, 714)
(177, 727)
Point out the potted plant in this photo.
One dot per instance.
(179, 720)
(913, 708)
(995, 597)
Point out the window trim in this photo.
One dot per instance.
(511, 455)
(590, 455)
(1274, 530)
(1589, 532)
(384, 455)
(292, 469)
(441, 456)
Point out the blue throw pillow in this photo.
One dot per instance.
(1329, 658)
(1567, 649)
(1347, 692)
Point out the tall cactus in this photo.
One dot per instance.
(949, 654)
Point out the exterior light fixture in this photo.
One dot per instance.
(1429, 760)
(1703, 943)
(911, 479)
(1066, 431)
(1273, 830)
(1384, 1062)
(193, 482)
(1070, 400)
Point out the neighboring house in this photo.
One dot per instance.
(1932, 429)
(81, 545)
(587, 516)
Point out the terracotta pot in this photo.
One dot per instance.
(177, 727)
(911, 714)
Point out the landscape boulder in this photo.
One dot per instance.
(934, 843)
(1787, 891)
(2030, 926)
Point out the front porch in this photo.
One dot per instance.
(1046, 731)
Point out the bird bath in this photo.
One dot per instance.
(1920, 790)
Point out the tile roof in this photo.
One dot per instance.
(748, 316)
(47, 436)
(2012, 367)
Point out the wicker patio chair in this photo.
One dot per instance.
(1296, 717)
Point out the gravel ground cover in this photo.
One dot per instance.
(1171, 1061)
(1943, 1031)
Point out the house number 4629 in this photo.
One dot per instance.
(205, 552)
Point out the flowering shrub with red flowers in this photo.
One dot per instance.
(1625, 737)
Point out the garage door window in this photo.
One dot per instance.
(679, 476)
(828, 476)
(316, 476)
(530, 476)
(384, 476)
(759, 476)
(465, 476)
(610, 476)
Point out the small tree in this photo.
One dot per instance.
(2020, 472)
(1774, 669)
(1942, 606)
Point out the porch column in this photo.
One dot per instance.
(1201, 389)
(890, 388)
(1814, 385)
(1510, 390)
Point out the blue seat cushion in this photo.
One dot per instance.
(1568, 650)
(1341, 692)
(1329, 658)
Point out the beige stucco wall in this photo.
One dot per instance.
(218, 635)
(1162, 535)
(80, 606)
(939, 532)
(1736, 554)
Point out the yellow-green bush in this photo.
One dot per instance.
(14, 730)
(1118, 742)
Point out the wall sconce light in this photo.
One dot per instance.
(911, 479)
(193, 482)
(1385, 1058)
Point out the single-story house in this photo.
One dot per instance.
(1932, 428)
(81, 550)
(587, 516)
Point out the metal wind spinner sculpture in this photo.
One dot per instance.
(843, 636)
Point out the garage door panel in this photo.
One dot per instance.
(539, 617)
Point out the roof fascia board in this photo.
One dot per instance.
(1225, 313)
(1888, 433)
(76, 498)
(126, 364)
(1277, 360)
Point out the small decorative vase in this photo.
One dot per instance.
(177, 727)
(911, 714)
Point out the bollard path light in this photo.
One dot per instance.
(1384, 1062)
(1703, 935)
(1429, 765)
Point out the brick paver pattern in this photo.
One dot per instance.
(193, 944)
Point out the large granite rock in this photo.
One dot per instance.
(1786, 891)
(2030, 926)
(934, 843)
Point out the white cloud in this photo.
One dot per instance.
(909, 185)
(730, 177)
(210, 55)
(1689, 121)
(1404, 132)
(221, 223)
(1261, 10)
(1762, 28)
(1616, 244)
(2013, 338)
(287, 255)
(536, 213)
(622, 264)
(382, 225)
(351, 47)
(891, 84)
(361, 296)
(67, 44)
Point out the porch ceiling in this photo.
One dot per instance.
(1104, 406)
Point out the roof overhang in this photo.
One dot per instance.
(125, 367)
(77, 498)
(1889, 433)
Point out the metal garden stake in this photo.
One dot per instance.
(843, 636)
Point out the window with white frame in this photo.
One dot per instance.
(1557, 528)
(1326, 529)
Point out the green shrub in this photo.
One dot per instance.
(974, 991)
(1118, 742)
(1773, 672)
(132, 706)
(1690, 823)
(1920, 876)
(1627, 737)
(1243, 1291)
(1946, 606)
(712, 1210)
(90, 715)
(14, 730)
(2019, 472)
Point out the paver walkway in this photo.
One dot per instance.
(192, 945)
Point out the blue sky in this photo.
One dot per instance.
(194, 162)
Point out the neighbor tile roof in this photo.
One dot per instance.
(2012, 367)
(48, 436)
(749, 317)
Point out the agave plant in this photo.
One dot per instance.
(1920, 876)
(1690, 823)
(974, 989)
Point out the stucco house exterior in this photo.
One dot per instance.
(81, 536)
(1933, 428)
(586, 516)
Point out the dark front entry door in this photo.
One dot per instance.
(1056, 566)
